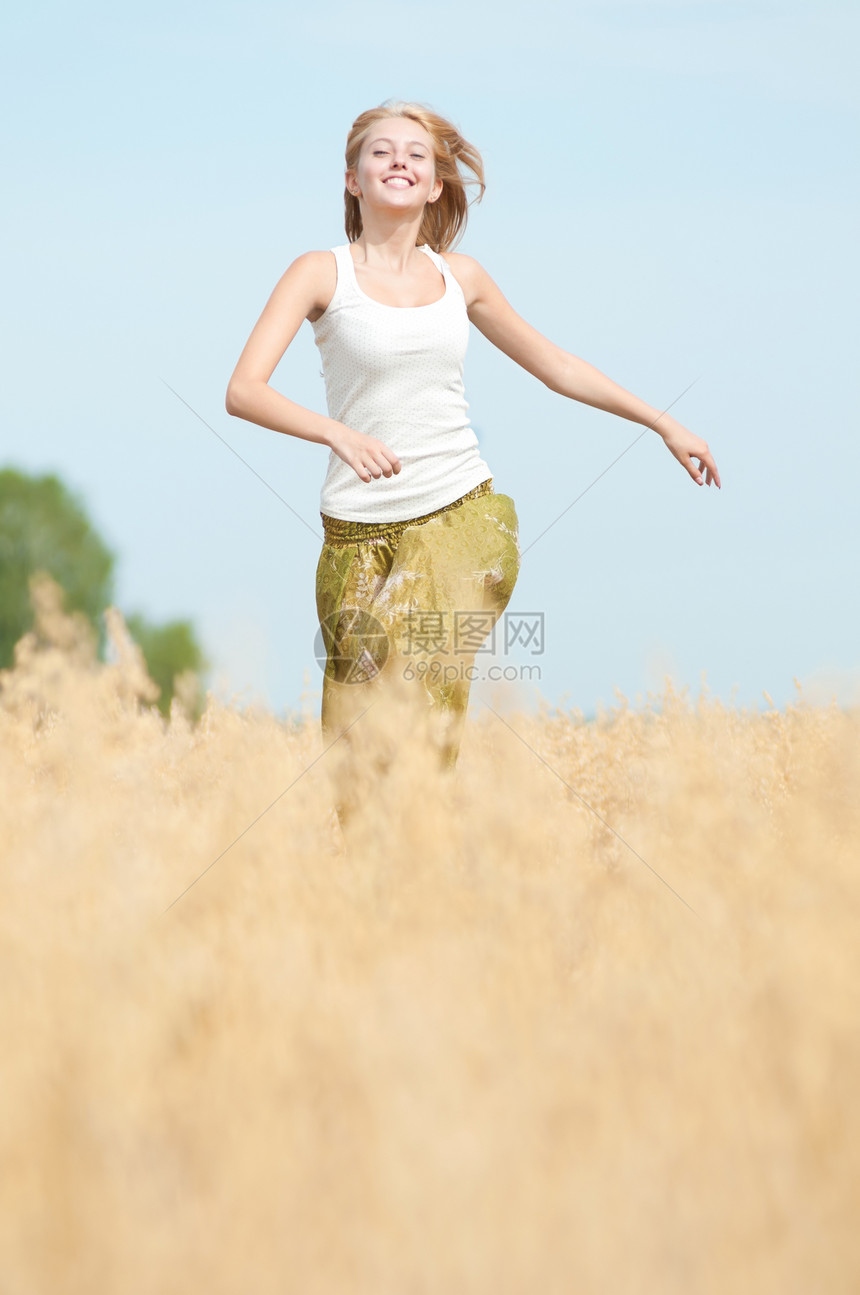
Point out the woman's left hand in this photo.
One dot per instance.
(691, 452)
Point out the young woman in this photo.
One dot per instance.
(420, 554)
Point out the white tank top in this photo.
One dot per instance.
(396, 373)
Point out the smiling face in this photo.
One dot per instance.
(395, 168)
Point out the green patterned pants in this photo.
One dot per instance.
(403, 608)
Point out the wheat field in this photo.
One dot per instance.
(581, 1018)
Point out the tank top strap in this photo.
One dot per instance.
(444, 269)
(438, 261)
(347, 283)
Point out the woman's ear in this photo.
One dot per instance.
(352, 184)
(436, 191)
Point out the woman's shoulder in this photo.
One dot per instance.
(315, 263)
(467, 271)
(312, 278)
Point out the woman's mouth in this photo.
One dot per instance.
(398, 182)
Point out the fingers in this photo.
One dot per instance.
(367, 456)
(382, 463)
(693, 454)
(698, 464)
(709, 467)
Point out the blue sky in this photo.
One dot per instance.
(672, 194)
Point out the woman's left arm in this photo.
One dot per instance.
(567, 374)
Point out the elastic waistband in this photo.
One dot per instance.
(339, 532)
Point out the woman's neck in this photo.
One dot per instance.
(388, 244)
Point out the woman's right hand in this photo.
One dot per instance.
(369, 458)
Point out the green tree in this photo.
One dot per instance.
(43, 527)
(172, 656)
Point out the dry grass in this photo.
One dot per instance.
(485, 1049)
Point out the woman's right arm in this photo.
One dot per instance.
(302, 292)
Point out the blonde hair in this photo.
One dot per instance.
(445, 219)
